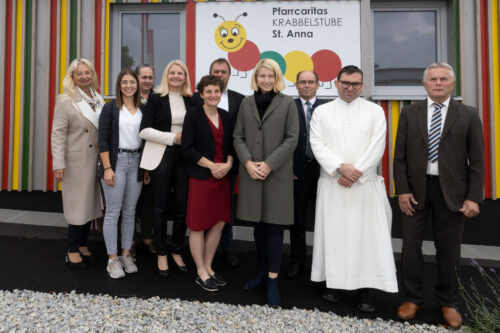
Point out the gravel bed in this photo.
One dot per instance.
(29, 311)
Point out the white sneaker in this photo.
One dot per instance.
(115, 269)
(128, 264)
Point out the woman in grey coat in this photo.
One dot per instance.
(265, 137)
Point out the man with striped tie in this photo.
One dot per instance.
(438, 171)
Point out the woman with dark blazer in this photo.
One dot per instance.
(265, 137)
(119, 146)
(207, 146)
(161, 127)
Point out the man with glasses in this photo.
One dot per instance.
(305, 169)
(352, 236)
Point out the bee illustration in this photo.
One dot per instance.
(243, 54)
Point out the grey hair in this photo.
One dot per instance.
(440, 65)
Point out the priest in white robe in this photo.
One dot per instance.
(352, 236)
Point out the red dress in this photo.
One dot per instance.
(209, 200)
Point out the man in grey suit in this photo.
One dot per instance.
(438, 170)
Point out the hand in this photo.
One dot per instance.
(405, 203)
(214, 169)
(343, 181)
(253, 170)
(59, 174)
(350, 172)
(109, 177)
(295, 177)
(147, 179)
(178, 138)
(222, 170)
(470, 208)
(264, 168)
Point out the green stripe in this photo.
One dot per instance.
(27, 94)
(456, 23)
(119, 1)
(73, 29)
(405, 103)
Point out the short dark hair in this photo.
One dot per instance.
(119, 99)
(209, 80)
(220, 61)
(315, 75)
(141, 66)
(349, 69)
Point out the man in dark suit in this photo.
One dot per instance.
(438, 170)
(230, 102)
(305, 169)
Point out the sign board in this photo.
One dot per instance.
(322, 36)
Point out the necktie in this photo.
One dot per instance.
(309, 112)
(435, 132)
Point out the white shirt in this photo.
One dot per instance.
(178, 110)
(304, 106)
(224, 101)
(432, 168)
(129, 126)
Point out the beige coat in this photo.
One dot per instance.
(73, 149)
(273, 140)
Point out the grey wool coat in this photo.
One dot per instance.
(73, 149)
(272, 140)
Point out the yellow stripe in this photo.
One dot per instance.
(64, 43)
(17, 96)
(394, 108)
(106, 50)
(496, 88)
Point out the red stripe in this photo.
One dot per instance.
(7, 92)
(385, 157)
(191, 40)
(52, 86)
(98, 27)
(485, 98)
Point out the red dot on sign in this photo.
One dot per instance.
(327, 65)
(246, 58)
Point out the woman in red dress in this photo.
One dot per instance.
(207, 145)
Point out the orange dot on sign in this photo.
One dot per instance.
(246, 58)
(327, 65)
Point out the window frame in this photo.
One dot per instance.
(118, 10)
(409, 92)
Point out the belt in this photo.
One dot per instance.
(129, 151)
(433, 177)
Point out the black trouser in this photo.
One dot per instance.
(170, 176)
(304, 192)
(226, 238)
(447, 229)
(269, 244)
(144, 211)
(77, 236)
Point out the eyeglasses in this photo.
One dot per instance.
(347, 84)
(131, 82)
(304, 82)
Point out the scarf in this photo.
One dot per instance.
(263, 100)
(95, 101)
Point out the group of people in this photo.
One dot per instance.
(284, 154)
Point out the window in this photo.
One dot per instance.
(146, 33)
(407, 37)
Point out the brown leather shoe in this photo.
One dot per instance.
(407, 310)
(452, 318)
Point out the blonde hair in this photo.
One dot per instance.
(279, 83)
(162, 89)
(68, 82)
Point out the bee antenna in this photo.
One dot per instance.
(217, 15)
(244, 14)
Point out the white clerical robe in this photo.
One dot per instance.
(352, 236)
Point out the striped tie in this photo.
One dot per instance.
(435, 132)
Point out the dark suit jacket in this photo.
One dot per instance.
(299, 156)
(156, 112)
(109, 135)
(198, 140)
(460, 159)
(234, 101)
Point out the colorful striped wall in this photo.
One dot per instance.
(41, 37)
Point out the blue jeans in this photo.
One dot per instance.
(122, 197)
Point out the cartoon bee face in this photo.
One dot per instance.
(230, 36)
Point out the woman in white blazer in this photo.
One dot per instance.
(161, 127)
(74, 156)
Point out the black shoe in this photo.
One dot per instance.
(219, 280)
(76, 265)
(257, 282)
(366, 302)
(91, 259)
(293, 271)
(273, 293)
(161, 272)
(183, 269)
(230, 259)
(209, 284)
(330, 295)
